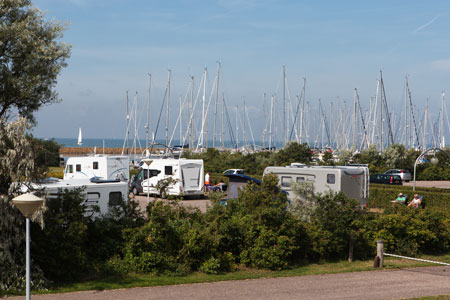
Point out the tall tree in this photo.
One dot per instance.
(31, 57)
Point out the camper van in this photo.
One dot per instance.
(96, 192)
(353, 181)
(188, 175)
(105, 167)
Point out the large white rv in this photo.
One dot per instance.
(105, 167)
(188, 175)
(353, 181)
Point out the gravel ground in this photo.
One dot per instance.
(384, 284)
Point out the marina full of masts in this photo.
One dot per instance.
(203, 118)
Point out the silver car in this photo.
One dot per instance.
(403, 173)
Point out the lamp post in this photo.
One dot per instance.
(27, 204)
(148, 161)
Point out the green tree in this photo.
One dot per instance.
(394, 156)
(293, 152)
(31, 57)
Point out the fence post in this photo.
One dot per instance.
(380, 253)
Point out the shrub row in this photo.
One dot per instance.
(258, 229)
(381, 195)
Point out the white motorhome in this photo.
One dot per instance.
(102, 193)
(188, 175)
(105, 167)
(353, 181)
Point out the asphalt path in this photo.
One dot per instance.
(381, 284)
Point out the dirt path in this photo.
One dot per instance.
(386, 284)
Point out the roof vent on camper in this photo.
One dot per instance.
(297, 165)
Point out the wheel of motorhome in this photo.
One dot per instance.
(164, 194)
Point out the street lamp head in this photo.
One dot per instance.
(434, 160)
(147, 161)
(27, 204)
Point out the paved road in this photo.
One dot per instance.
(385, 284)
(202, 204)
(436, 184)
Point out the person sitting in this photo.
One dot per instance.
(416, 201)
(217, 187)
(401, 199)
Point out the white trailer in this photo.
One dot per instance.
(101, 193)
(105, 167)
(353, 181)
(188, 175)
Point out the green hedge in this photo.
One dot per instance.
(381, 195)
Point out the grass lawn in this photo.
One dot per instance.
(142, 280)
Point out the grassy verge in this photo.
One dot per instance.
(143, 280)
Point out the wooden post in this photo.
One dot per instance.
(351, 246)
(380, 252)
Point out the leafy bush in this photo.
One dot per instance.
(60, 248)
(211, 266)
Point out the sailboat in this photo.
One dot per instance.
(80, 139)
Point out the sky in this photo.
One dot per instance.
(336, 45)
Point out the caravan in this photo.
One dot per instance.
(187, 174)
(96, 192)
(353, 181)
(105, 167)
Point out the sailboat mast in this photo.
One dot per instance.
(191, 138)
(147, 125)
(167, 110)
(237, 129)
(284, 106)
(128, 126)
(264, 122)
(302, 113)
(223, 120)
(215, 105)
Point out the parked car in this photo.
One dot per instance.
(386, 179)
(234, 171)
(403, 173)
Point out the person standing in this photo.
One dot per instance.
(207, 182)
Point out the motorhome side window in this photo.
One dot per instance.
(331, 178)
(95, 165)
(150, 173)
(115, 198)
(168, 170)
(78, 168)
(300, 179)
(286, 181)
(69, 169)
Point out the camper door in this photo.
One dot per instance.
(191, 176)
